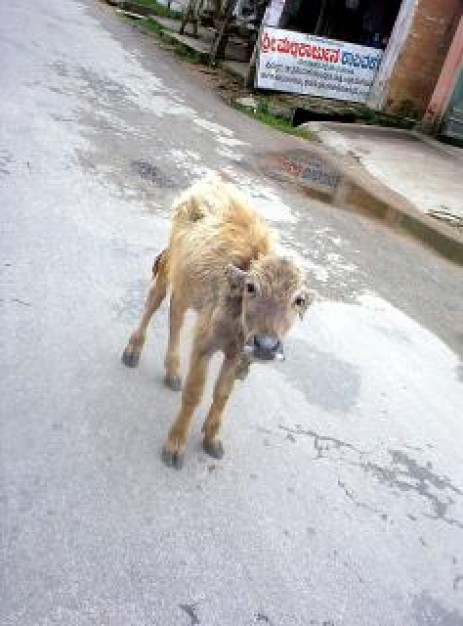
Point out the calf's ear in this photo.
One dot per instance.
(308, 297)
(235, 277)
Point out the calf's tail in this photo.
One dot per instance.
(160, 263)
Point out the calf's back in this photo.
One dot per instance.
(213, 226)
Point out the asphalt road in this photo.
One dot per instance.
(340, 498)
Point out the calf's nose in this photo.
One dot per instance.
(266, 347)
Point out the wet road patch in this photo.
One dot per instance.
(151, 173)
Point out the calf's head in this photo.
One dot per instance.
(273, 293)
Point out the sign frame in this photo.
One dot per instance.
(294, 62)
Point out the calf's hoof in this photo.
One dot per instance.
(130, 357)
(173, 454)
(213, 448)
(173, 382)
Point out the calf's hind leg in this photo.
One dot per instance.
(156, 295)
(172, 361)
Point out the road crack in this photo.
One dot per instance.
(403, 474)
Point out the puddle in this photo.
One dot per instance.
(309, 170)
(323, 181)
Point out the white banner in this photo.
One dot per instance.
(315, 66)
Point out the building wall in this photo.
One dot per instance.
(423, 53)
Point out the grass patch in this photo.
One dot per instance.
(152, 27)
(264, 115)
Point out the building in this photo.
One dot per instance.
(420, 71)
(424, 54)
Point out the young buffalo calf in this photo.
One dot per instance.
(220, 262)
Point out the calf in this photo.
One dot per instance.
(221, 262)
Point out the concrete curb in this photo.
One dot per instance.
(165, 24)
(364, 192)
(338, 127)
(197, 46)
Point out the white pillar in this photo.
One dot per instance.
(380, 87)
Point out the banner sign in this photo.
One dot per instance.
(315, 66)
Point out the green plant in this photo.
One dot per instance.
(263, 114)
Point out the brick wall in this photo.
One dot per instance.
(419, 64)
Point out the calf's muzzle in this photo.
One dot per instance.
(267, 348)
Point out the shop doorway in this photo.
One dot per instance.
(363, 22)
(452, 125)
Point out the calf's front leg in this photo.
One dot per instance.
(222, 390)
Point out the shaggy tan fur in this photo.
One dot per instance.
(221, 262)
(212, 222)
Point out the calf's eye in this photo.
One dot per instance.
(250, 288)
(299, 301)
